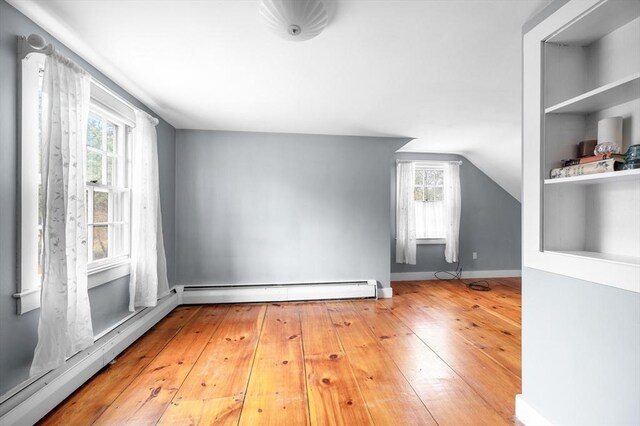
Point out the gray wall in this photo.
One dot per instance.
(580, 350)
(270, 208)
(489, 224)
(18, 333)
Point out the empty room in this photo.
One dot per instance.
(320, 212)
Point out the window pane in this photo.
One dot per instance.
(419, 177)
(438, 194)
(439, 177)
(431, 177)
(418, 194)
(111, 137)
(100, 242)
(94, 167)
(94, 134)
(100, 206)
(430, 195)
(110, 171)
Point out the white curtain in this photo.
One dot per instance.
(148, 280)
(430, 219)
(405, 214)
(452, 211)
(65, 314)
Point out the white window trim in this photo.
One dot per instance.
(112, 271)
(28, 284)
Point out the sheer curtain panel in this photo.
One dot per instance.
(65, 325)
(148, 280)
(430, 219)
(452, 211)
(405, 214)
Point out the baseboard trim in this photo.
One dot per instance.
(430, 275)
(81, 367)
(528, 415)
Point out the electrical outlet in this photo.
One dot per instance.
(475, 255)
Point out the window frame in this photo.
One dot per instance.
(424, 186)
(421, 165)
(430, 165)
(28, 286)
(124, 136)
(28, 283)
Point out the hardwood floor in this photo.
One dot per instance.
(436, 353)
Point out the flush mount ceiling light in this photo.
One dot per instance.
(295, 20)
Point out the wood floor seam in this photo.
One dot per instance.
(480, 395)
(133, 378)
(255, 353)
(304, 368)
(401, 372)
(192, 366)
(342, 347)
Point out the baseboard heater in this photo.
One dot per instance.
(32, 403)
(248, 293)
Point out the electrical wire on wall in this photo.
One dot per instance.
(481, 285)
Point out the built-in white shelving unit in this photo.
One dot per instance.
(624, 90)
(582, 64)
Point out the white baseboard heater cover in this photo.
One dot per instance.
(82, 366)
(278, 292)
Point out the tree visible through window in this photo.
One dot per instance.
(429, 185)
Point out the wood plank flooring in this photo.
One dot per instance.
(436, 353)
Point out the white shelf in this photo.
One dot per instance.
(606, 17)
(597, 178)
(626, 260)
(624, 90)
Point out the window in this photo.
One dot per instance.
(108, 195)
(429, 185)
(107, 188)
(428, 195)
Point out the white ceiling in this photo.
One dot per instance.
(446, 73)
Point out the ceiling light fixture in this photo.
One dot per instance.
(295, 20)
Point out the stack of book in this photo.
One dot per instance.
(589, 165)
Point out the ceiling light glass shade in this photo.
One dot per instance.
(295, 20)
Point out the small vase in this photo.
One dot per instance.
(632, 158)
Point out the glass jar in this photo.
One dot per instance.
(632, 158)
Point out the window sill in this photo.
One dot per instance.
(29, 300)
(107, 273)
(429, 241)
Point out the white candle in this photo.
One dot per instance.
(610, 130)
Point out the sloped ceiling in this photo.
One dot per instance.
(446, 73)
